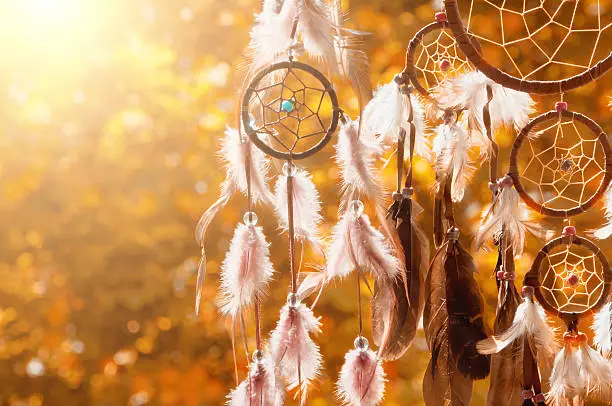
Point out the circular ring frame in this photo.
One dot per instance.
(532, 278)
(602, 137)
(529, 86)
(327, 86)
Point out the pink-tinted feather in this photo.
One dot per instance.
(260, 388)
(362, 379)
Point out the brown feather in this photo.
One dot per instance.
(438, 221)
(397, 305)
(465, 308)
(505, 387)
(442, 384)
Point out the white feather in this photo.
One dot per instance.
(246, 270)
(606, 231)
(356, 155)
(602, 327)
(306, 207)
(292, 347)
(261, 387)
(315, 24)
(384, 114)
(597, 370)
(362, 379)
(530, 323)
(357, 244)
(566, 379)
(451, 148)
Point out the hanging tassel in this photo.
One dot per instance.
(293, 350)
(357, 244)
(306, 206)
(469, 92)
(397, 306)
(443, 384)
(529, 322)
(356, 155)
(241, 161)
(260, 388)
(246, 270)
(451, 148)
(362, 379)
(602, 327)
(578, 372)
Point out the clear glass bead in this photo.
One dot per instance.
(288, 169)
(258, 356)
(250, 218)
(361, 343)
(356, 208)
(293, 300)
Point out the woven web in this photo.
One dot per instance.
(291, 110)
(435, 47)
(540, 39)
(561, 166)
(563, 262)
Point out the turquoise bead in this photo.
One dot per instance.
(287, 106)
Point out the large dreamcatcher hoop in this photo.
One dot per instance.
(534, 30)
(571, 276)
(556, 174)
(295, 110)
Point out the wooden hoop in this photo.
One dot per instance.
(529, 86)
(253, 135)
(532, 278)
(602, 138)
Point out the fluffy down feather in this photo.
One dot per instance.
(362, 379)
(246, 270)
(530, 322)
(602, 326)
(451, 148)
(357, 244)
(293, 350)
(356, 155)
(306, 207)
(261, 387)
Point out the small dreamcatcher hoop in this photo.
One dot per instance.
(434, 55)
(560, 174)
(571, 276)
(295, 110)
(522, 28)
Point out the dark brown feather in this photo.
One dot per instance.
(397, 305)
(438, 221)
(505, 387)
(442, 384)
(465, 308)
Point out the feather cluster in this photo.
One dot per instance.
(469, 92)
(306, 207)
(451, 147)
(356, 155)
(362, 379)
(261, 387)
(293, 350)
(389, 112)
(236, 152)
(530, 323)
(357, 244)
(578, 372)
(246, 270)
(602, 327)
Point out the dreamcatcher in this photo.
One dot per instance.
(558, 166)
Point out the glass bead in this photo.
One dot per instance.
(258, 356)
(250, 218)
(288, 169)
(356, 208)
(361, 343)
(293, 300)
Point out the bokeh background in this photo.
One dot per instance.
(110, 116)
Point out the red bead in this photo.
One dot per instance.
(568, 338)
(527, 394)
(539, 398)
(561, 106)
(506, 181)
(441, 17)
(572, 280)
(581, 338)
(445, 65)
(500, 275)
(509, 276)
(527, 291)
(569, 230)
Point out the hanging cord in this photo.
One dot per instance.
(291, 230)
